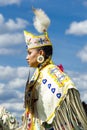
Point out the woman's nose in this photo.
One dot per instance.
(27, 57)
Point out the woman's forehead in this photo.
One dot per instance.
(31, 50)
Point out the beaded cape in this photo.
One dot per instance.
(67, 113)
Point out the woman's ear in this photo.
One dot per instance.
(41, 52)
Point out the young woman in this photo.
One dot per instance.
(52, 101)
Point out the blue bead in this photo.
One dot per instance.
(58, 95)
(44, 81)
(53, 90)
(49, 86)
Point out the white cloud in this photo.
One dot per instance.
(11, 39)
(80, 80)
(12, 86)
(24, 71)
(10, 95)
(11, 25)
(8, 72)
(17, 24)
(9, 2)
(2, 85)
(16, 106)
(11, 33)
(84, 96)
(77, 28)
(85, 3)
(16, 83)
(83, 54)
(5, 51)
(1, 19)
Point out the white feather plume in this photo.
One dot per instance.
(41, 20)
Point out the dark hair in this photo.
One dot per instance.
(48, 51)
(85, 107)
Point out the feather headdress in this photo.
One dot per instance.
(41, 20)
(41, 23)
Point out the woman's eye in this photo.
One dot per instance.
(29, 53)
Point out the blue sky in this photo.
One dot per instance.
(67, 32)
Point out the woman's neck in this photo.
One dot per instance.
(45, 63)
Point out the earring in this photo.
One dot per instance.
(40, 59)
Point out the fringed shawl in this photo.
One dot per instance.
(70, 115)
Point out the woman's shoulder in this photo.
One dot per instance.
(52, 68)
(55, 74)
(53, 71)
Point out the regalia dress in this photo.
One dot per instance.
(52, 101)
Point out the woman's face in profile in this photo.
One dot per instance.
(32, 57)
